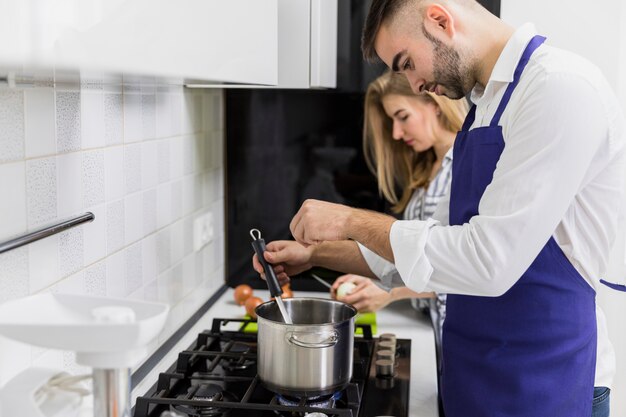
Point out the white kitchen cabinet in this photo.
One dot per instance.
(233, 41)
(307, 45)
(323, 43)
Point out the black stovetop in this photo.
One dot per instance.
(217, 376)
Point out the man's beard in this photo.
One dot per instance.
(448, 70)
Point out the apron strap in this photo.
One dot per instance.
(534, 43)
(469, 119)
(617, 287)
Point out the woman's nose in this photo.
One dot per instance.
(397, 132)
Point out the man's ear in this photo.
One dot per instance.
(438, 21)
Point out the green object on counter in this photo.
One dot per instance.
(366, 318)
(251, 327)
(361, 318)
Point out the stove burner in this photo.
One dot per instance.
(208, 392)
(237, 364)
(323, 401)
(204, 392)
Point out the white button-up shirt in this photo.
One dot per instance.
(561, 174)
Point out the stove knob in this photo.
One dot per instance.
(388, 336)
(384, 368)
(385, 384)
(386, 354)
(315, 415)
(387, 345)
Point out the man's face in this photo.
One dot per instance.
(428, 63)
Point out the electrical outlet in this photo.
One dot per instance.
(203, 230)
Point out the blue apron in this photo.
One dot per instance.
(532, 351)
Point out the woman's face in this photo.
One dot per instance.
(414, 121)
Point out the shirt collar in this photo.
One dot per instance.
(504, 69)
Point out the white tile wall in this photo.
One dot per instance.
(41, 191)
(13, 205)
(113, 120)
(146, 159)
(68, 117)
(39, 123)
(12, 122)
(114, 173)
(92, 114)
(95, 235)
(93, 178)
(14, 274)
(69, 184)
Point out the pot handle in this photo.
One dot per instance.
(330, 340)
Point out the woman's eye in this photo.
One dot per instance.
(403, 118)
(407, 65)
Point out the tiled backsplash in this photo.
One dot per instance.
(146, 159)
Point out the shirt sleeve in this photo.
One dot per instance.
(550, 143)
(383, 269)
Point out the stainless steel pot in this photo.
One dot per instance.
(311, 357)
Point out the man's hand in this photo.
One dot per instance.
(287, 257)
(320, 221)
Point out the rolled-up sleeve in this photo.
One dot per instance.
(384, 270)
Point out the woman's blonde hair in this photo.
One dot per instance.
(395, 164)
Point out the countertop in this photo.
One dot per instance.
(399, 318)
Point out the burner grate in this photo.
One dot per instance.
(217, 376)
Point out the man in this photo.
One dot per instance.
(522, 241)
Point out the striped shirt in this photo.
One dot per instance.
(422, 207)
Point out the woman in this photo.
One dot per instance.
(407, 144)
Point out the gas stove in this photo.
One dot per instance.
(217, 376)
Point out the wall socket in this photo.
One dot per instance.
(203, 230)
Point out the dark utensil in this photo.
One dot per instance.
(276, 291)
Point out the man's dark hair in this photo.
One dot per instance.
(380, 12)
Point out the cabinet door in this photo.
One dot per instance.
(307, 43)
(214, 40)
(324, 43)
(294, 31)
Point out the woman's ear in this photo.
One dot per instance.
(438, 21)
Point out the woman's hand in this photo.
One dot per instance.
(287, 257)
(365, 297)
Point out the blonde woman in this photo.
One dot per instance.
(407, 143)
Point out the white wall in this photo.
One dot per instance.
(146, 159)
(597, 31)
(615, 304)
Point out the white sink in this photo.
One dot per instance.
(104, 332)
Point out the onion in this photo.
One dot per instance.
(242, 293)
(345, 289)
(251, 304)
